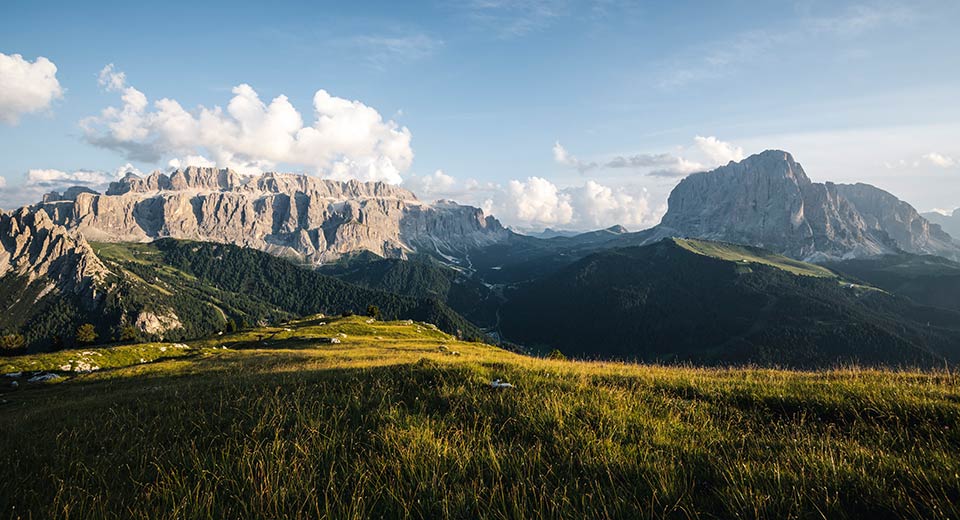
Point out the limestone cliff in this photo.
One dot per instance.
(33, 247)
(768, 201)
(294, 215)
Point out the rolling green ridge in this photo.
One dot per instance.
(925, 279)
(400, 420)
(708, 302)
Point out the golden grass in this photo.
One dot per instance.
(389, 424)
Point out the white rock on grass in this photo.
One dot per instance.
(39, 378)
(497, 383)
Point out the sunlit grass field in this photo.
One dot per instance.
(400, 420)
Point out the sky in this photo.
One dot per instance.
(560, 114)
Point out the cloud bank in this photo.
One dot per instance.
(346, 139)
(536, 202)
(26, 87)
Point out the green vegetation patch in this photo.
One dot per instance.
(747, 254)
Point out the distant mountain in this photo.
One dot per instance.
(709, 302)
(768, 201)
(950, 223)
(299, 216)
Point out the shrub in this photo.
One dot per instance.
(12, 343)
(373, 311)
(86, 333)
(129, 334)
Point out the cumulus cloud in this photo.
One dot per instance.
(26, 86)
(125, 169)
(436, 184)
(712, 152)
(719, 152)
(534, 201)
(346, 139)
(537, 202)
(940, 160)
(190, 160)
(3, 182)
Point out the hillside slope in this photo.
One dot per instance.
(709, 302)
(400, 420)
(925, 279)
(177, 290)
(420, 277)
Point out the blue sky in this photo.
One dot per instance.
(520, 107)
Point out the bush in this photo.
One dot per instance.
(373, 311)
(86, 334)
(129, 334)
(12, 343)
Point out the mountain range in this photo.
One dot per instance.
(374, 243)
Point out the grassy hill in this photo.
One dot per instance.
(717, 303)
(205, 287)
(400, 420)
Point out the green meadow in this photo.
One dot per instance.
(400, 420)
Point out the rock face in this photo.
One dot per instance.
(949, 223)
(296, 215)
(33, 247)
(768, 201)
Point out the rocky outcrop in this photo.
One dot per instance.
(68, 194)
(156, 324)
(293, 215)
(33, 246)
(948, 222)
(768, 201)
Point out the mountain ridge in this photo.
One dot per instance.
(315, 220)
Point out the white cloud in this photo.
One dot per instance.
(562, 156)
(347, 139)
(940, 160)
(190, 160)
(436, 184)
(719, 152)
(26, 86)
(3, 182)
(537, 202)
(120, 172)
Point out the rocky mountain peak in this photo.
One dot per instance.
(286, 214)
(767, 200)
(33, 246)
